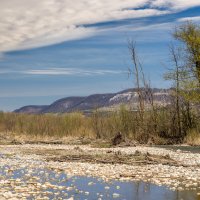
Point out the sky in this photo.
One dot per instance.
(51, 49)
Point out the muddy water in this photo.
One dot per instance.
(40, 183)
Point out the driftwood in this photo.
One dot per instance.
(45, 142)
(115, 158)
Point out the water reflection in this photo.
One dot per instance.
(55, 185)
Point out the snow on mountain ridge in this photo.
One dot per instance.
(118, 97)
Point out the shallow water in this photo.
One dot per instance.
(59, 185)
(191, 149)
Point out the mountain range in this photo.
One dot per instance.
(106, 101)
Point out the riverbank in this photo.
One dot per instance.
(176, 169)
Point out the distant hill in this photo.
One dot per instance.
(104, 101)
(31, 109)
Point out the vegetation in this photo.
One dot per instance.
(176, 123)
(101, 126)
(185, 74)
(186, 57)
(189, 35)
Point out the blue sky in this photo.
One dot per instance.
(58, 48)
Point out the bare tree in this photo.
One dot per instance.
(136, 71)
(176, 58)
(144, 91)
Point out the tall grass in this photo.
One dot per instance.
(74, 124)
(99, 125)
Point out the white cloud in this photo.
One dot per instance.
(141, 27)
(189, 19)
(71, 71)
(33, 23)
(63, 71)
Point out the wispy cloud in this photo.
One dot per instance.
(142, 27)
(197, 18)
(64, 71)
(33, 23)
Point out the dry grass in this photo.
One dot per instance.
(66, 128)
(193, 138)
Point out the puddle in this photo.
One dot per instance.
(40, 183)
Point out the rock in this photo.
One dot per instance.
(115, 195)
(90, 183)
(77, 148)
(71, 198)
(137, 153)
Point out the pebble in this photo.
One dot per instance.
(175, 177)
(90, 183)
(115, 195)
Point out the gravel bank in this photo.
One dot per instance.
(183, 177)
